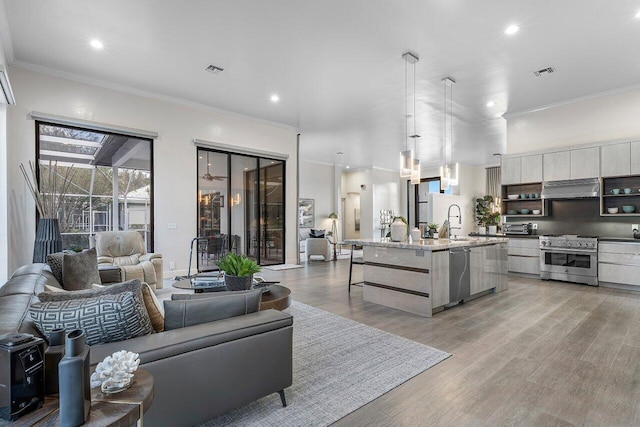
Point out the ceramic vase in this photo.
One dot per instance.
(492, 229)
(398, 231)
(416, 235)
(238, 283)
(52, 357)
(74, 375)
(482, 230)
(48, 239)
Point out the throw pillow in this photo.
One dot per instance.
(55, 264)
(80, 270)
(134, 286)
(49, 288)
(317, 233)
(154, 307)
(202, 308)
(106, 318)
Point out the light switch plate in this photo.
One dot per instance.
(534, 226)
(172, 226)
(172, 265)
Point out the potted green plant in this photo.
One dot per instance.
(433, 229)
(239, 271)
(485, 215)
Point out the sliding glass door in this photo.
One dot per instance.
(240, 208)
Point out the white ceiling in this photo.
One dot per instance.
(337, 65)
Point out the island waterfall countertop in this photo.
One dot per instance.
(423, 277)
(430, 244)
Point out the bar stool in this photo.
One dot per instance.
(357, 261)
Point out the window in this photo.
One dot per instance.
(111, 181)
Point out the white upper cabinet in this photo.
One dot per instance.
(585, 163)
(557, 166)
(615, 160)
(635, 158)
(510, 171)
(531, 168)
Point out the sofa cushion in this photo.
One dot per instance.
(14, 315)
(29, 279)
(316, 233)
(105, 318)
(117, 288)
(180, 313)
(54, 261)
(80, 270)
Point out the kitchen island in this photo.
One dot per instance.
(415, 276)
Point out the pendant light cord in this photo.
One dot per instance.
(406, 108)
(414, 112)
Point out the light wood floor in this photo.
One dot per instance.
(540, 353)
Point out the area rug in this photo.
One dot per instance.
(338, 366)
(281, 267)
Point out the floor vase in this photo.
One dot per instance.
(48, 239)
(73, 377)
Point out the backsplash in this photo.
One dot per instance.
(580, 216)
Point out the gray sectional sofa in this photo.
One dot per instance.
(199, 371)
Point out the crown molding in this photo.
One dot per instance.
(572, 101)
(142, 93)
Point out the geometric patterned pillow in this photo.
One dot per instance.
(106, 318)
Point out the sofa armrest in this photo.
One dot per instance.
(177, 342)
(150, 256)
(106, 260)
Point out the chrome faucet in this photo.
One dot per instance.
(449, 216)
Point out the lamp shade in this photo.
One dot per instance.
(333, 215)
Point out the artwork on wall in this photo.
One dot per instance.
(356, 215)
(306, 213)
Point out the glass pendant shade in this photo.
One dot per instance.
(449, 176)
(406, 163)
(415, 173)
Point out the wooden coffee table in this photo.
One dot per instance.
(278, 297)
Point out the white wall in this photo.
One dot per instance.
(608, 117)
(472, 184)
(174, 155)
(317, 183)
(360, 182)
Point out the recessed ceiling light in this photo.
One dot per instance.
(491, 104)
(511, 29)
(274, 98)
(96, 44)
(347, 166)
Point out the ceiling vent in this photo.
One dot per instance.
(544, 71)
(214, 69)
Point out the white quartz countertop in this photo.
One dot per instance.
(430, 244)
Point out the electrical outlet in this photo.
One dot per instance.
(172, 265)
(534, 226)
(634, 227)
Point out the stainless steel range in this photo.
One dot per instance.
(570, 258)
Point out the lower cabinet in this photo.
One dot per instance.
(619, 263)
(488, 268)
(524, 255)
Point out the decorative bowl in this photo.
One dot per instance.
(513, 196)
(627, 191)
(612, 210)
(512, 212)
(523, 196)
(524, 211)
(615, 191)
(628, 209)
(536, 211)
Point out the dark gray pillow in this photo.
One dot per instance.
(105, 318)
(317, 233)
(203, 308)
(80, 271)
(55, 264)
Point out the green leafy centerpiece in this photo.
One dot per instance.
(239, 271)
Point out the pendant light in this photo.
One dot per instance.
(410, 165)
(448, 170)
(406, 157)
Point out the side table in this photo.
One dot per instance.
(122, 409)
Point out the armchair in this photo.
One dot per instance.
(127, 250)
(319, 246)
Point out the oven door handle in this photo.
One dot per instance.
(569, 251)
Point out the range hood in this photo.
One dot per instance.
(571, 189)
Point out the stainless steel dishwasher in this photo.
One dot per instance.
(459, 275)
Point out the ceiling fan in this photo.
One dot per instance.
(208, 177)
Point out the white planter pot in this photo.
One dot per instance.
(492, 229)
(415, 235)
(398, 231)
(482, 230)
